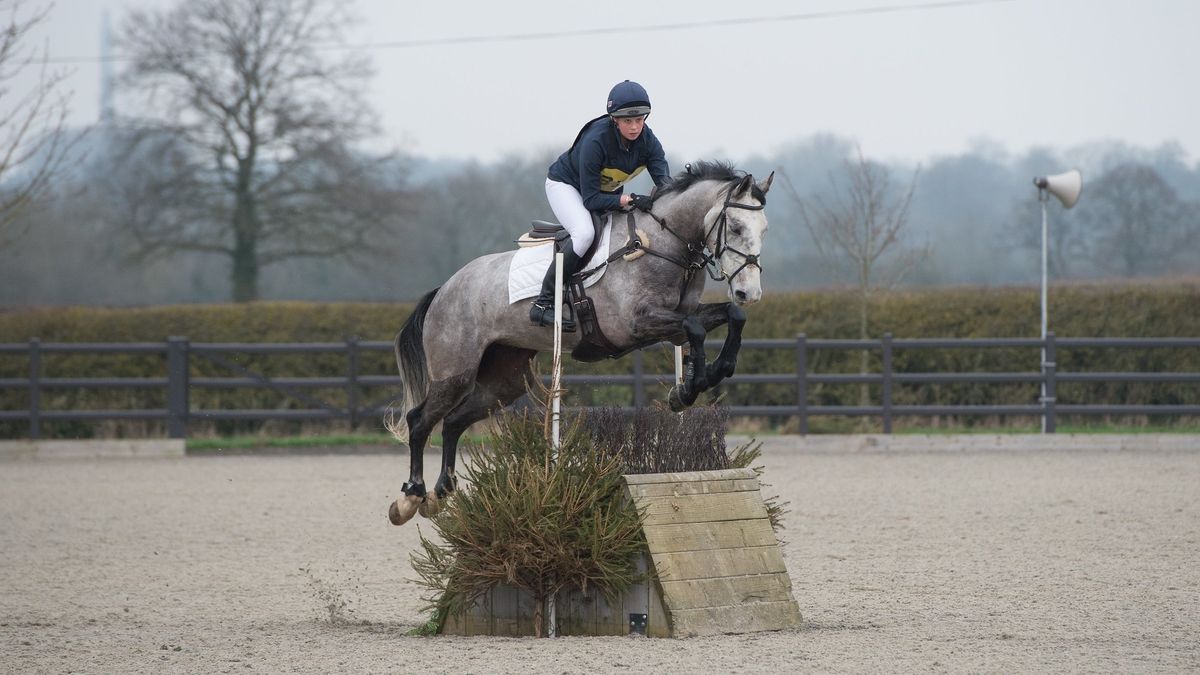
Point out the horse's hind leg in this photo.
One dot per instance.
(444, 396)
(502, 377)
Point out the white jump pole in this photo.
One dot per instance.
(678, 365)
(555, 408)
(556, 379)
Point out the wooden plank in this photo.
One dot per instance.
(726, 591)
(658, 622)
(637, 598)
(673, 538)
(693, 487)
(737, 619)
(702, 508)
(525, 607)
(686, 476)
(503, 601)
(453, 625)
(590, 614)
(725, 562)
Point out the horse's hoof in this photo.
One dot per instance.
(431, 506)
(403, 509)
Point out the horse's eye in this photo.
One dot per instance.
(737, 230)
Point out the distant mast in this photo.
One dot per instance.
(106, 71)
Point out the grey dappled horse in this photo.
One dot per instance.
(465, 352)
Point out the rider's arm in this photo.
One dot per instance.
(591, 161)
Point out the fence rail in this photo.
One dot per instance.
(180, 354)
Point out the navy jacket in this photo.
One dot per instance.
(601, 162)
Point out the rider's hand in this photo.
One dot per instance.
(641, 202)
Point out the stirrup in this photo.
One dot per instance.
(537, 316)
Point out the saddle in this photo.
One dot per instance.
(593, 345)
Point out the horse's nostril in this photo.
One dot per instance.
(740, 295)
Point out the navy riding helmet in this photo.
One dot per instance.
(628, 99)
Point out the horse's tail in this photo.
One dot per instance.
(414, 370)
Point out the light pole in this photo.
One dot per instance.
(1065, 186)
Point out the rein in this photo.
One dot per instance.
(697, 257)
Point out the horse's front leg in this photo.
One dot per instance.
(726, 361)
(695, 372)
(699, 376)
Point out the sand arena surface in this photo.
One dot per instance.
(980, 561)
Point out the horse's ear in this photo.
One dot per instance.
(766, 184)
(744, 186)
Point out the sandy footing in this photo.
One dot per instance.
(982, 561)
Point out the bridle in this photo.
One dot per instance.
(698, 257)
(713, 261)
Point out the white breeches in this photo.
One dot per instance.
(568, 207)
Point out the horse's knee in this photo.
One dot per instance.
(693, 328)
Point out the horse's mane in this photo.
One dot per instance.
(707, 170)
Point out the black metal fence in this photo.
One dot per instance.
(180, 355)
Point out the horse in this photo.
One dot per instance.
(465, 352)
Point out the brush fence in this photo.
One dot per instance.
(716, 567)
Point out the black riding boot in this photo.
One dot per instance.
(542, 311)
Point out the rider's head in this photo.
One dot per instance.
(628, 105)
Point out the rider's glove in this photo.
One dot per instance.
(641, 202)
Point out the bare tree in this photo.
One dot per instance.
(482, 209)
(1067, 246)
(261, 118)
(1139, 224)
(859, 225)
(33, 142)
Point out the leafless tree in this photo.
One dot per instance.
(33, 141)
(1139, 224)
(859, 225)
(260, 114)
(482, 209)
(1067, 247)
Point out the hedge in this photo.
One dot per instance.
(1130, 310)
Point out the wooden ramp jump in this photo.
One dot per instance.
(715, 565)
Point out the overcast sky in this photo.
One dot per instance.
(909, 84)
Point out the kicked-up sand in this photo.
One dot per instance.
(982, 561)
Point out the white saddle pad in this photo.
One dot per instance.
(529, 265)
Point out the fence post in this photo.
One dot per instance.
(352, 379)
(887, 383)
(639, 382)
(177, 387)
(802, 381)
(1048, 372)
(35, 388)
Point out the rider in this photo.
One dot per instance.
(609, 151)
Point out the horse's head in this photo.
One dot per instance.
(735, 228)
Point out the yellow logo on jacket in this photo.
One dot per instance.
(611, 180)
